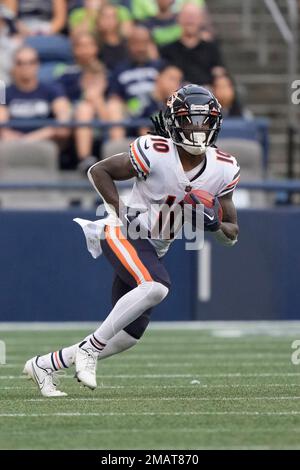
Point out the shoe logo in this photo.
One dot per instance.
(41, 384)
(146, 146)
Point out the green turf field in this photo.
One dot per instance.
(178, 389)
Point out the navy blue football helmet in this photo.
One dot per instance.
(193, 118)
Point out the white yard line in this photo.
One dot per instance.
(215, 430)
(199, 385)
(202, 355)
(118, 399)
(230, 329)
(177, 365)
(174, 376)
(155, 413)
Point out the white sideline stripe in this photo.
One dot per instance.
(177, 365)
(114, 387)
(203, 355)
(10, 366)
(260, 326)
(118, 399)
(154, 413)
(174, 376)
(214, 430)
(11, 388)
(192, 364)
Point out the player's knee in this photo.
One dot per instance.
(156, 292)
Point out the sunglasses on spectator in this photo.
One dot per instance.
(21, 63)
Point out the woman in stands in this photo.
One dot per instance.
(47, 17)
(224, 90)
(111, 41)
(84, 18)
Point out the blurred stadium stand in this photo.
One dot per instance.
(257, 56)
(267, 146)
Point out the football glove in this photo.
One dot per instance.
(211, 215)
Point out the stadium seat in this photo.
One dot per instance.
(52, 48)
(47, 72)
(256, 130)
(38, 162)
(113, 147)
(249, 155)
(41, 156)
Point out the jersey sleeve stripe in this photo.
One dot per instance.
(237, 173)
(139, 161)
(229, 188)
(233, 183)
(142, 153)
(226, 191)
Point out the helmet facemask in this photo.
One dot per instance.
(194, 132)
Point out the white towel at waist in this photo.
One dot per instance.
(94, 232)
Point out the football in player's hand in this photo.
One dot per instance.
(198, 196)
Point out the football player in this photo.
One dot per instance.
(180, 158)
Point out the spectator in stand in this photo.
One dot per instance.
(207, 28)
(84, 19)
(27, 99)
(85, 84)
(133, 80)
(91, 106)
(198, 58)
(85, 51)
(169, 80)
(73, 4)
(163, 26)
(178, 4)
(224, 90)
(47, 17)
(9, 42)
(112, 46)
(138, 10)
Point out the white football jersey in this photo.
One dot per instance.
(162, 179)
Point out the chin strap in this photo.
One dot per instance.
(221, 238)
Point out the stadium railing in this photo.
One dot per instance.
(246, 129)
(256, 129)
(283, 186)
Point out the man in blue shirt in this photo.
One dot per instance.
(28, 99)
(169, 80)
(134, 80)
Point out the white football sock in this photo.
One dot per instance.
(61, 359)
(109, 338)
(127, 309)
(119, 343)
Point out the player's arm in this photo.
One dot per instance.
(104, 174)
(229, 229)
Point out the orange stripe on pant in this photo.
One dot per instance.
(132, 253)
